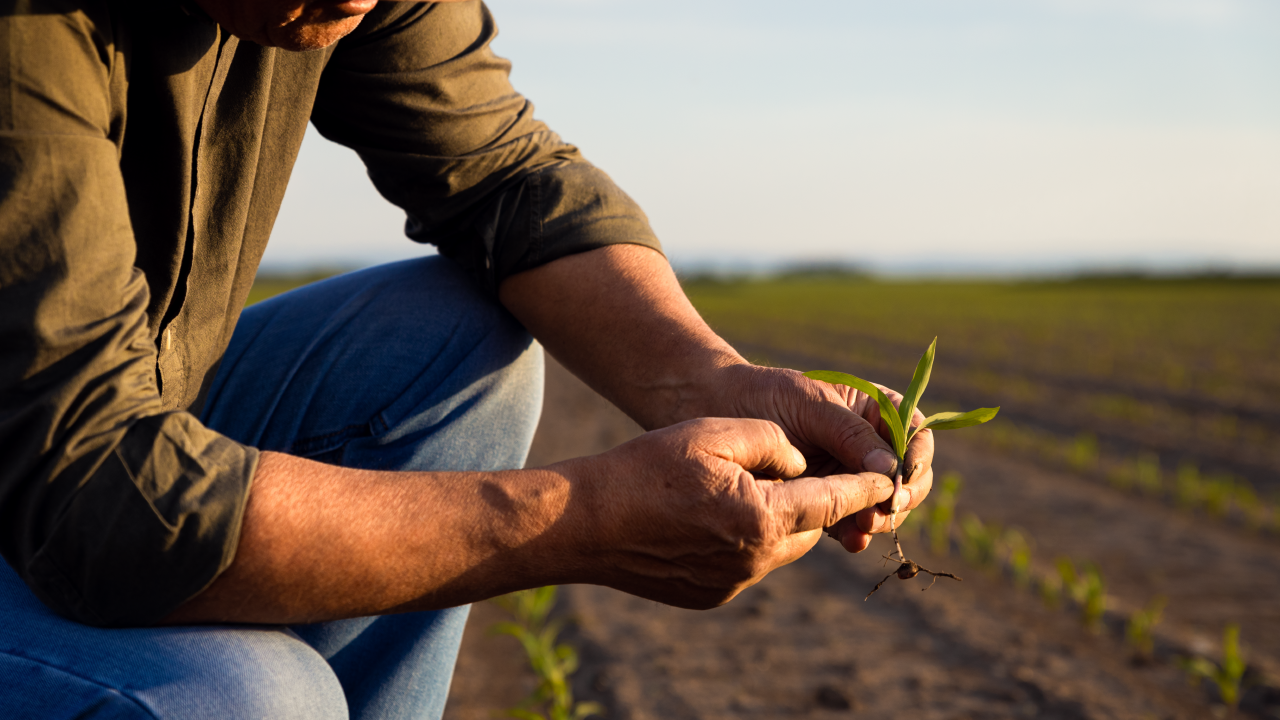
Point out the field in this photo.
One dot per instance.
(1183, 370)
(1136, 460)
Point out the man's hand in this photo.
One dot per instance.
(839, 431)
(618, 319)
(676, 515)
(692, 514)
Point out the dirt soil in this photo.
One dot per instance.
(803, 643)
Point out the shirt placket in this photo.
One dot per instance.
(174, 356)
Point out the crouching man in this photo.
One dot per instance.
(284, 512)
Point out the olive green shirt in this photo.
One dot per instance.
(143, 158)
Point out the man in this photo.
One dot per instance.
(285, 514)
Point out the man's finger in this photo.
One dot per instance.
(850, 438)
(756, 445)
(813, 503)
(915, 489)
(919, 454)
(794, 547)
(848, 534)
(874, 520)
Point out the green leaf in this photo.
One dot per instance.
(954, 420)
(919, 381)
(888, 413)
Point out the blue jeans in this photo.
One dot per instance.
(400, 367)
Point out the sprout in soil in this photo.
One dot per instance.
(898, 420)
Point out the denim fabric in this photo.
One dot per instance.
(404, 366)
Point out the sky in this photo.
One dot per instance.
(937, 136)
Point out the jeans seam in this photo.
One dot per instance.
(44, 663)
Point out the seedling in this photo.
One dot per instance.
(1139, 633)
(1018, 549)
(1087, 590)
(1148, 474)
(1189, 488)
(1217, 493)
(944, 510)
(552, 662)
(1050, 591)
(1227, 674)
(899, 422)
(978, 541)
(1246, 498)
(1083, 456)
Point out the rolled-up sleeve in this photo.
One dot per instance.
(113, 510)
(419, 94)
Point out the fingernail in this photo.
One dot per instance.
(879, 461)
(799, 458)
(913, 471)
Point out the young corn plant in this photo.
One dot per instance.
(943, 513)
(1228, 674)
(1083, 456)
(1217, 493)
(552, 662)
(1188, 488)
(1138, 631)
(899, 422)
(1018, 550)
(1087, 590)
(1147, 474)
(979, 541)
(1246, 498)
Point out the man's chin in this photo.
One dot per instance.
(302, 36)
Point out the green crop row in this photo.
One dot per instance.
(1009, 551)
(1214, 338)
(1218, 495)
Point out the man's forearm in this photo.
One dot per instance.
(619, 320)
(321, 542)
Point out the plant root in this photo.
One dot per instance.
(907, 570)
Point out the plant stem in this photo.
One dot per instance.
(893, 505)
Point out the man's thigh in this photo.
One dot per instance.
(404, 366)
(52, 668)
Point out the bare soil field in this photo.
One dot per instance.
(804, 643)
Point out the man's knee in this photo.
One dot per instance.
(181, 673)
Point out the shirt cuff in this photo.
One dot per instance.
(152, 527)
(552, 212)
